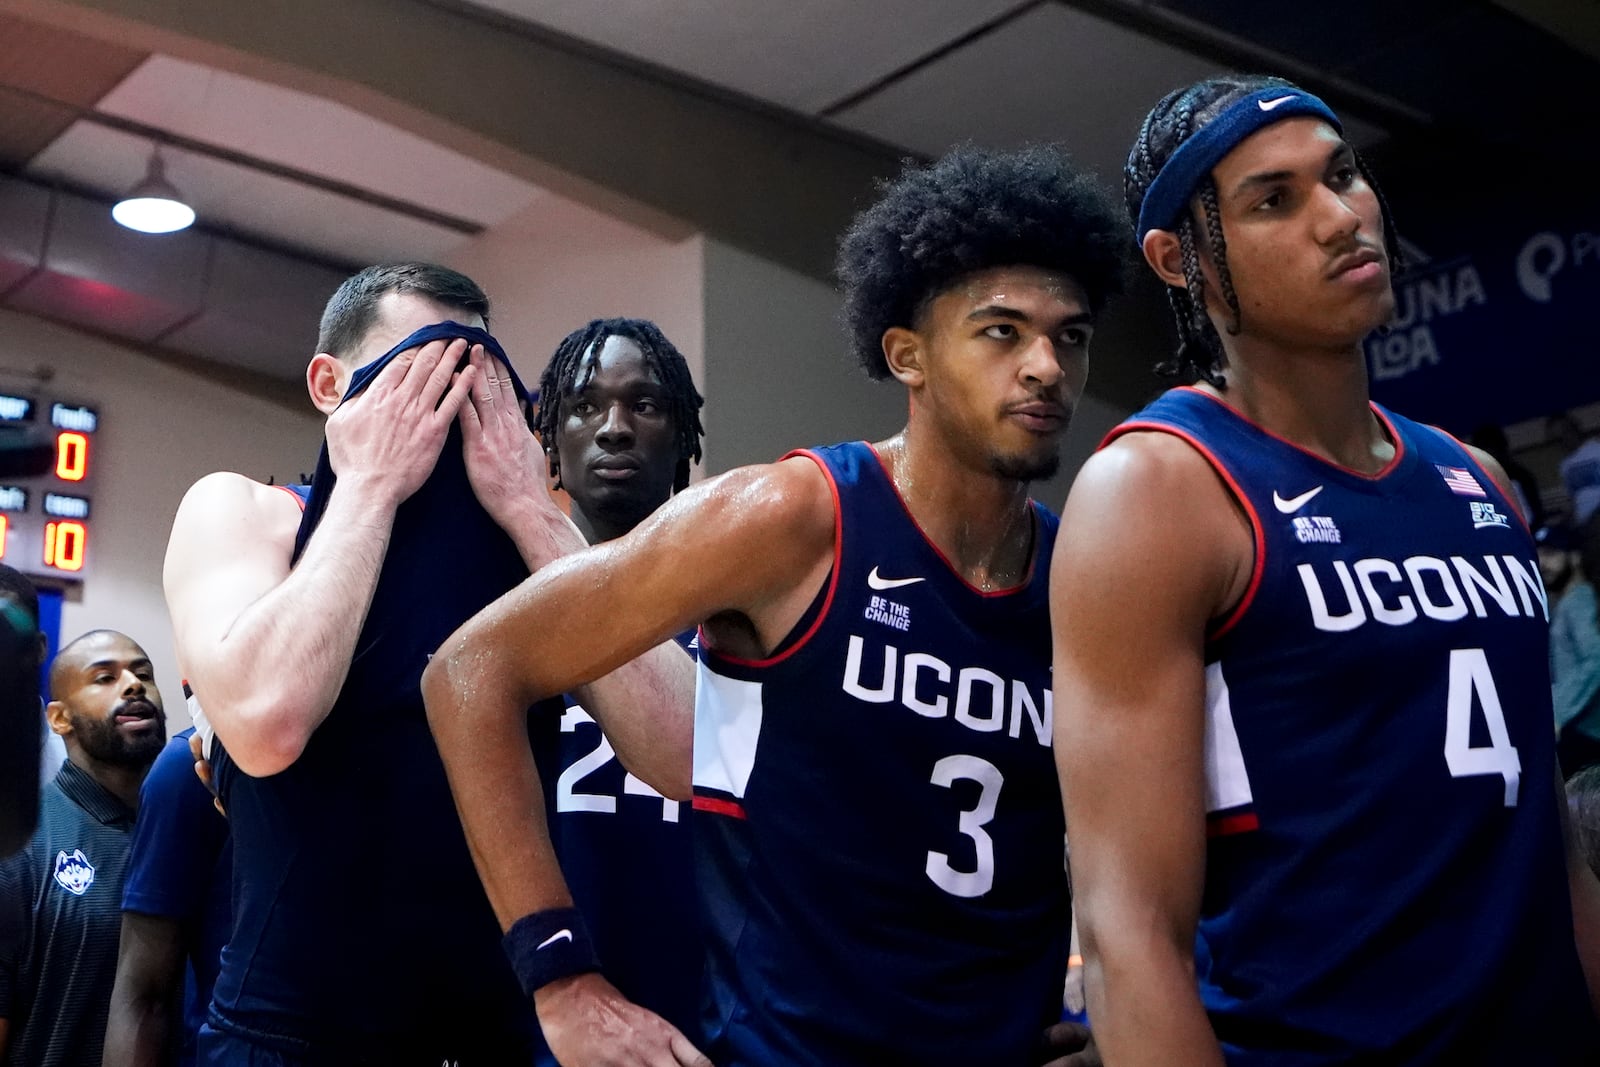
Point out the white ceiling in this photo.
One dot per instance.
(998, 72)
(798, 54)
(294, 129)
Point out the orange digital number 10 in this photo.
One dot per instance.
(64, 543)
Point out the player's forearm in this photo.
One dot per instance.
(136, 1030)
(1144, 1002)
(646, 708)
(477, 719)
(541, 532)
(273, 676)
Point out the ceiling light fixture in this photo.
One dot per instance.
(154, 206)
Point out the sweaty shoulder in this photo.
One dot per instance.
(792, 498)
(776, 525)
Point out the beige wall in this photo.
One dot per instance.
(161, 429)
(558, 265)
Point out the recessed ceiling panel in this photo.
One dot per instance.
(261, 311)
(111, 279)
(278, 210)
(800, 54)
(1055, 74)
(316, 135)
(23, 210)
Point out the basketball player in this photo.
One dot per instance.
(879, 847)
(1303, 703)
(621, 426)
(360, 934)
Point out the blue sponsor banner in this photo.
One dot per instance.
(1504, 334)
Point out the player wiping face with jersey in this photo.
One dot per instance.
(360, 934)
(879, 849)
(1303, 715)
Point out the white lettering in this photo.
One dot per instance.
(1433, 588)
(997, 697)
(1416, 567)
(940, 705)
(1396, 616)
(1319, 607)
(1022, 703)
(1528, 581)
(852, 674)
(1472, 581)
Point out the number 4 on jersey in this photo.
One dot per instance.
(1471, 683)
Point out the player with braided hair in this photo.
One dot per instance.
(1170, 123)
(1303, 714)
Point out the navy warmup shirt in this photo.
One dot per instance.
(60, 920)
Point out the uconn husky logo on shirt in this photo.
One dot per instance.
(74, 873)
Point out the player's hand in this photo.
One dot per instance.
(202, 768)
(587, 1023)
(1068, 1045)
(388, 437)
(504, 462)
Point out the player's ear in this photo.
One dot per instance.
(55, 714)
(1164, 253)
(326, 379)
(902, 350)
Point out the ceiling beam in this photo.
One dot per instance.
(662, 152)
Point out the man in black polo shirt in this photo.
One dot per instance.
(61, 896)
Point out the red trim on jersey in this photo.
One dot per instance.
(1394, 435)
(1508, 499)
(1009, 590)
(1234, 614)
(291, 492)
(1238, 823)
(717, 806)
(833, 577)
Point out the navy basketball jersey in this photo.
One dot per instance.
(1385, 876)
(625, 851)
(361, 933)
(877, 826)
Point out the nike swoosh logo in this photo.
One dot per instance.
(553, 938)
(1268, 105)
(1294, 504)
(889, 583)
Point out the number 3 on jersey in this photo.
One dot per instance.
(1471, 683)
(978, 882)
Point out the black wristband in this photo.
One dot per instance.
(546, 945)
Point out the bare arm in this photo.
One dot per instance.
(1150, 549)
(741, 543)
(749, 543)
(267, 648)
(149, 976)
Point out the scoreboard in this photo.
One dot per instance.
(45, 518)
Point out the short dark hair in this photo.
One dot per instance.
(973, 209)
(19, 587)
(353, 307)
(560, 379)
(1171, 122)
(1583, 806)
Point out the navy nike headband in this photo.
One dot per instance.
(439, 331)
(1168, 196)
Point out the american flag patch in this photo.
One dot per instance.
(1460, 481)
